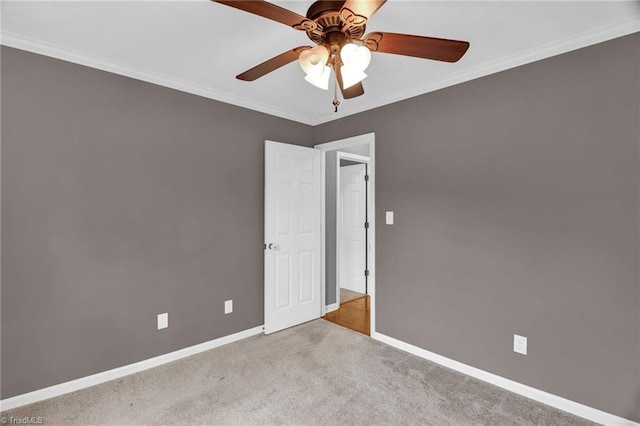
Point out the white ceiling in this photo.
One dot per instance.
(200, 46)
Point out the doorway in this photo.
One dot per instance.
(349, 232)
(301, 251)
(351, 226)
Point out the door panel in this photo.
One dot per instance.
(292, 235)
(305, 263)
(351, 230)
(282, 281)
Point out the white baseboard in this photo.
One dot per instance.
(332, 307)
(515, 387)
(116, 373)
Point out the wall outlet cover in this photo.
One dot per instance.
(228, 306)
(163, 320)
(520, 344)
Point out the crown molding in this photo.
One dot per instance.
(597, 35)
(58, 52)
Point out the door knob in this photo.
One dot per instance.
(273, 246)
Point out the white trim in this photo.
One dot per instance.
(372, 233)
(353, 157)
(558, 402)
(347, 142)
(368, 138)
(597, 35)
(336, 216)
(116, 373)
(332, 307)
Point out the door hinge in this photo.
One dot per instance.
(366, 178)
(366, 225)
(366, 272)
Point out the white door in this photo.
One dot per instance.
(292, 292)
(351, 230)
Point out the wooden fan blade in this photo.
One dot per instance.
(358, 11)
(418, 46)
(352, 91)
(272, 64)
(273, 12)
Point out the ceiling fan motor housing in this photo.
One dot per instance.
(326, 13)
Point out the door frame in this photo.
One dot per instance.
(337, 145)
(361, 159)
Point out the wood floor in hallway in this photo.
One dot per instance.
(347, 295)
(353, 315)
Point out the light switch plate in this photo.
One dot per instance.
(228, 306)
(389, 218)
(163, 320)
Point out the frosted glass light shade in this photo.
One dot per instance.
(320, 80)
(351, 76)
(313, 61)
(355, 56)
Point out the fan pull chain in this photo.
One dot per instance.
(336, 102)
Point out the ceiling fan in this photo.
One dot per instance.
(337, 27)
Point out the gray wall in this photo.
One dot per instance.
(516, 200)
(122, 200)
(516, 210)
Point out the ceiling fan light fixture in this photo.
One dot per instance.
(351, 76)
(355, 56)
(320, 80)
(313, 61)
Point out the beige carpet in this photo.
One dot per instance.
(314, 374)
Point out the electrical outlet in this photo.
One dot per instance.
(520, 344)
(228, 306)
(163, 321)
